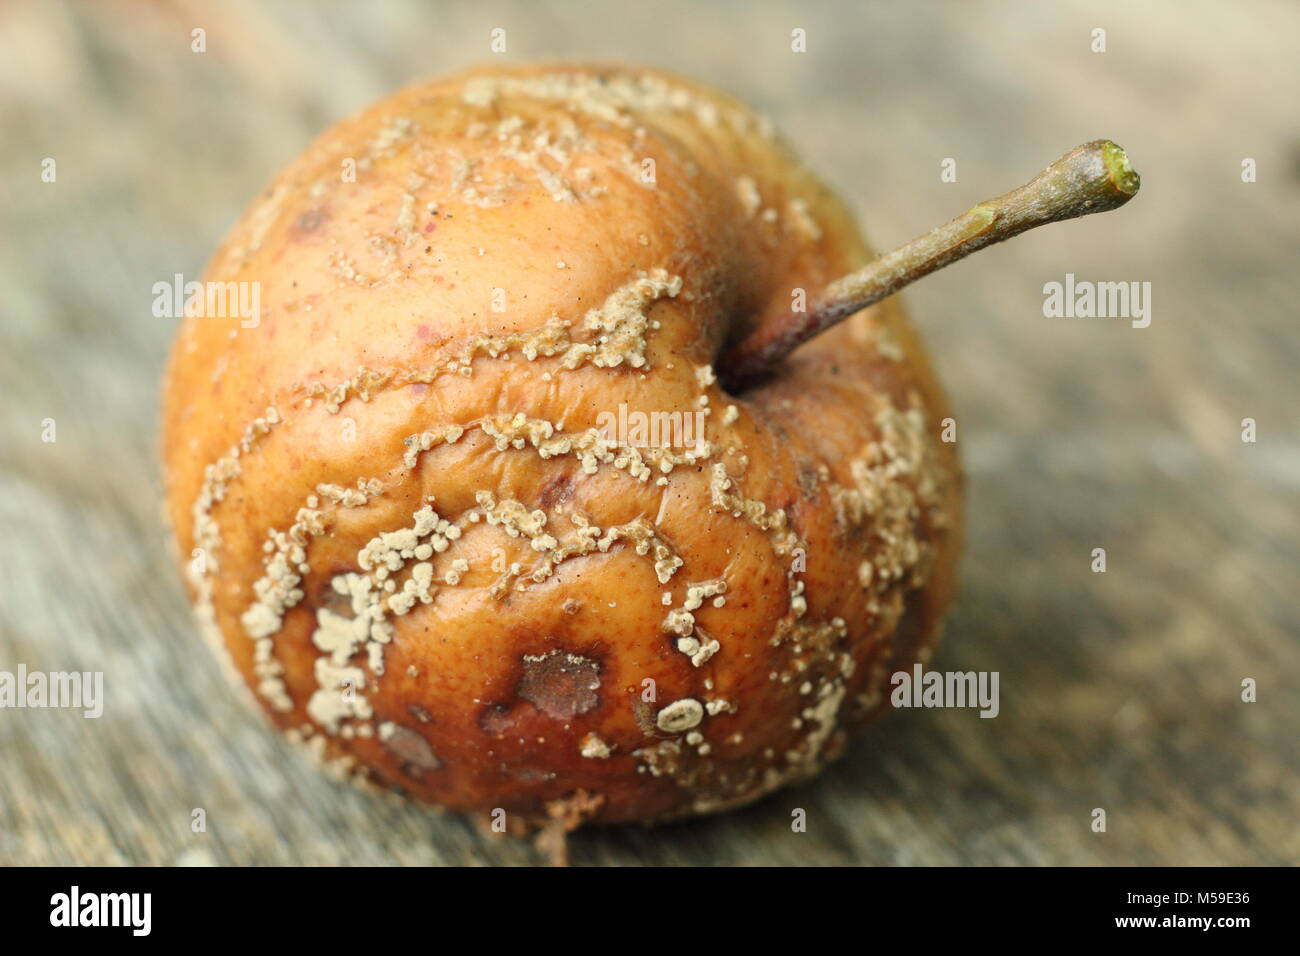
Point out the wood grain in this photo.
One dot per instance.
(1119, 690)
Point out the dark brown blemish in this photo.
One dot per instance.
(557, 491)
(560, 685)
(495, 719)
(409, 746)
(808, 478)
(643, 714)
(310, 221)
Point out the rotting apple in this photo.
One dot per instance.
(399, 519)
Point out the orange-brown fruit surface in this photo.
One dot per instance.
(467, 504)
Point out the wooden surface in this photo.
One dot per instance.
(1118, 690)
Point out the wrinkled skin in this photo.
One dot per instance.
(548, 692)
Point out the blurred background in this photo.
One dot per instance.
(1119, 690)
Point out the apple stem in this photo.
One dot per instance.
(1094, 177)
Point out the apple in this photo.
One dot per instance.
(577, 465)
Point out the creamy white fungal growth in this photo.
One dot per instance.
(422, 442)
(621, 323)
(680, 715)
(699, 647)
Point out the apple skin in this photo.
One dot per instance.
(429, 293)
